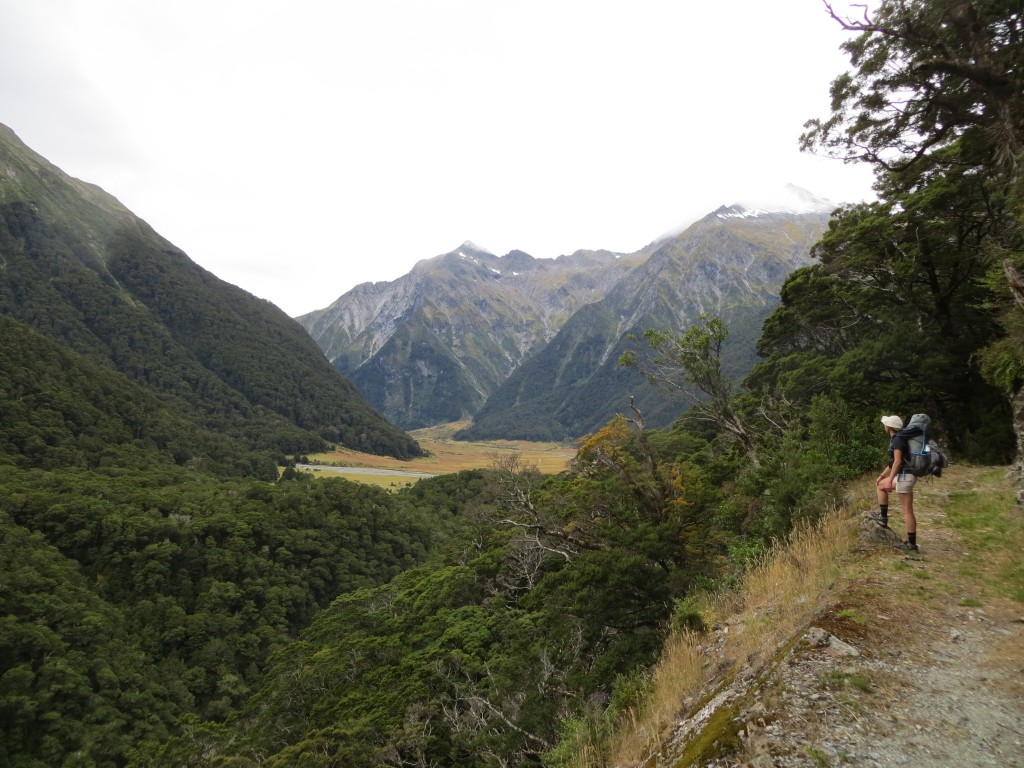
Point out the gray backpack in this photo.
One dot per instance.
(925, 457)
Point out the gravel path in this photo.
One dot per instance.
(917, 662)
(932, 701)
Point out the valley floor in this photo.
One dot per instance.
(446, 455)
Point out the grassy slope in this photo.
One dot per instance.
(971, 533)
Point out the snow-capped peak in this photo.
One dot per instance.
(469, 245)
(788, 199)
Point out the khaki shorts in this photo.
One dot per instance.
(905, 482)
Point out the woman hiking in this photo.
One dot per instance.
(897, 476)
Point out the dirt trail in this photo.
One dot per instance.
(919, 661)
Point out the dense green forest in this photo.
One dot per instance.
(160, 611)
(207, 348)
(132, 598)
(60, 410)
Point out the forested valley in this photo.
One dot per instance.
(161, 609)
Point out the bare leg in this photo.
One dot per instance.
(909, 520)
(882, 493)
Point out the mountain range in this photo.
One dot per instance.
(431, 346)
(529, 348)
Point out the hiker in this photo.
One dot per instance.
(897, 477)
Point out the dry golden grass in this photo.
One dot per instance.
(680, 674)
(447, 455)
(776, 599)
(790, 584)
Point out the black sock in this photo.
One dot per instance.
(912, 537)
(884, 509)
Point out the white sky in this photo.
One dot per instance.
(300, 148)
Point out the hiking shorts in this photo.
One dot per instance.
(905, 482)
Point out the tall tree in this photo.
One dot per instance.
(935, 103)
(894, 311)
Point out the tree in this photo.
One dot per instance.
(937, 91)
(927, 73)
(893, 313)
(935, 103)
(541, 527)
(677, 364)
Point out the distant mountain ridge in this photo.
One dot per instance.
(529, 347)
(78, 267)
(431, 346)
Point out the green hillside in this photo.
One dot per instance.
(150, 566)
(62, 410)
(79, 268)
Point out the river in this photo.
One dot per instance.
(362, 471)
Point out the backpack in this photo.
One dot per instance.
(925, 457)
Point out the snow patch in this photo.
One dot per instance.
(753, 203)
(789, 199)
(739, 212)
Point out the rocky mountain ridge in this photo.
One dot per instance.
(726, 265)
(432, 345)
(538, 293)
(529, 347)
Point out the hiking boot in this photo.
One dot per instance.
(905, 546)
(878, 518)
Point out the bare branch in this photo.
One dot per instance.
(517, 482)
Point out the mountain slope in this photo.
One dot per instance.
(80, 268)
(432, 345)
(730, 264)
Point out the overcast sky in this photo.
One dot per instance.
(299, 148)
